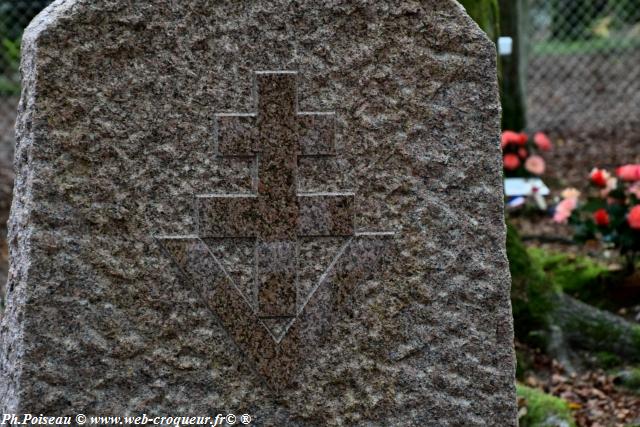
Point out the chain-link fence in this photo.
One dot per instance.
(14, 16)
(584, 64)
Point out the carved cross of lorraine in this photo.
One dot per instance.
(276, 214)
(277, 335)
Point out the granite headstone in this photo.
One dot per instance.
(290, 209)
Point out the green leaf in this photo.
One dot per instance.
(12, 48)
(593, 205)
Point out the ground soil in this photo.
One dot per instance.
(595, 397)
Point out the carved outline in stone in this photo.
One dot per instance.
(275, 215)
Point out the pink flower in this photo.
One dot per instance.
(634, 217)
(564, 209)
(511, 137)
(535, 164)
(635, 189)
(542, 141)
(629, 172)
(511, 162)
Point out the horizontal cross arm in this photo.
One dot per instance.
(320, 214)
(237, 135)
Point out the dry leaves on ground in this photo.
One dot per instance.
(593, 397)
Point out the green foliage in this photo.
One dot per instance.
(539, 304)
(607, 360)
(631, 9)
(486, 14)
(530, 292)
(9, 67)
(524, 363)
(572, 19)
(630, 379)
(636, 337)
(577, 275)
(544, 410)
(16, 15)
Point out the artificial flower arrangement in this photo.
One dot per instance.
(521, 155)
(523, 166)
(611, 211)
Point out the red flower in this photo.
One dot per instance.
(599, 177)
(522, 153)
(629, 172)
(634, 217)
(511, 162)
(510, 137)
(542, 141)
(601, 217)
(523, 138)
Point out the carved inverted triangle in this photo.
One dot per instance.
(275, 360)
(331, 249)
(316, 258)
(236, 258)
(277, 326)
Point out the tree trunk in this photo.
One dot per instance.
(545, 317)
(513, 18)
(585, 327)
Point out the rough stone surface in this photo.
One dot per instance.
(291, 209)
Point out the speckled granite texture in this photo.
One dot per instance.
(291, 209)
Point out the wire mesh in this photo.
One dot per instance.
(584, 64)
(14, 17)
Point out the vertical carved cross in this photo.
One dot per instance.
(275, 214)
